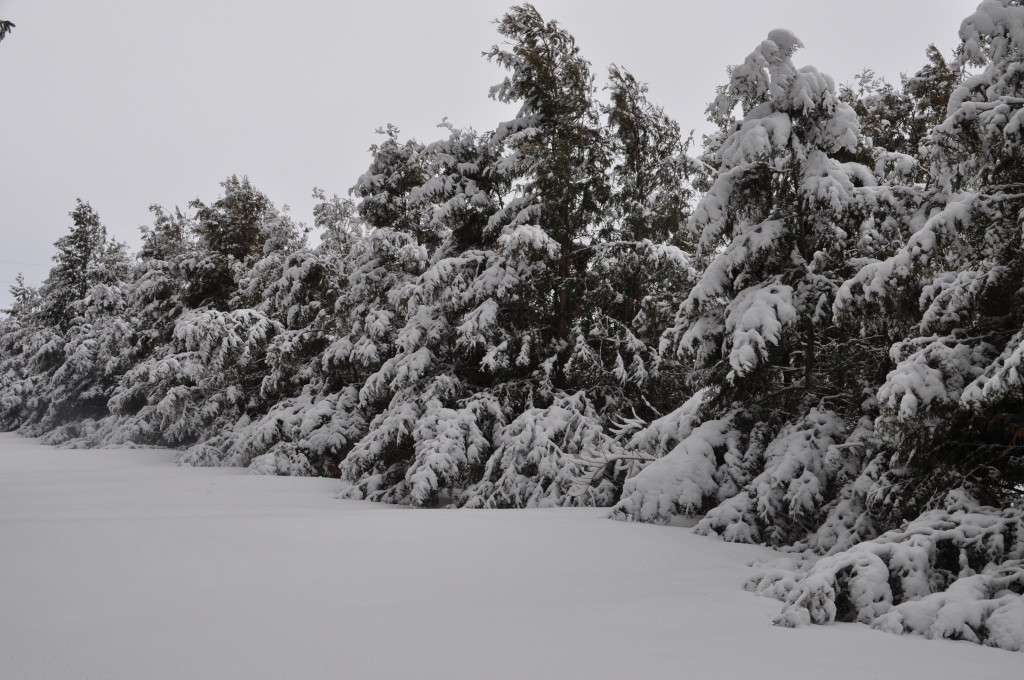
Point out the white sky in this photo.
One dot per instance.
(126, 103)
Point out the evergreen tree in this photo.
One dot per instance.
(412, 452)
(230, 236)
(487, 324)
(555, 146)
(199, 346)
(96, 352)
(949, 407)
(308, 414)
(65, 342)
(641, 265)
(158, 292)
(651, 192)
(950, 459)
(556, 154)
(897, 121)
(386, 188)
(25, 300)
(78, 264)
(781, 386)
(641, 259)
(19, 330)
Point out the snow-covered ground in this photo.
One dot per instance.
(118, 564)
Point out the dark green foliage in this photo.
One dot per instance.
(385, 188)
(558, 141)
(84, 257)
(898, 119)
(230, 231)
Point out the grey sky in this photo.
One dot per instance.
(126, 103)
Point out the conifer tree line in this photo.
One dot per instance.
(809, 332)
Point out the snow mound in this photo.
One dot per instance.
(282, 460)
(948, 574)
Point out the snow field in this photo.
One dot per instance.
(118, 564)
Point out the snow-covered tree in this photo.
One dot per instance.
(305, 416)
(410, 455)
(386, 188)
(537, 459)
(158, 290)
(199, 345)
(488, 326)
(85, 257)
(197, 385)
(950, 407)
(948, 427)
(20, 333)
(640, 262)
(555, 146)
(895, 121)
(783, 387)
(649, 203)
(96, 355)
(64, 345)
(230, 235)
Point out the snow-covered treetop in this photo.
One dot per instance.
(994, 32)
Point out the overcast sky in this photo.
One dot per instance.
(126, 103)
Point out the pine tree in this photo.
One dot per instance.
(386, 188)
(948, 430)
(158, 296)
(641, 265)
(413, 451)
(641, 260)
(557, 156)
(651, 191)
(199, 346)
(96, 351)
(486, 325)
(78, 264)
(948, 407)
(25, 300)
(780, 384)
(230, 235)
(555, 145)
(309, 417)
(896, 121)
(20, 328)
(66, 342)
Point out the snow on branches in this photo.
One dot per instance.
(951, 573)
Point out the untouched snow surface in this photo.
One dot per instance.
(118, 564)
